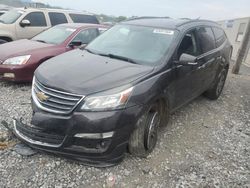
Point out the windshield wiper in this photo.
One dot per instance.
(113, 56)
(90, 51)
(122, 58)
(41, 41)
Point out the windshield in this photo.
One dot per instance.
(10, 16)
(54, 35)
(137, 44)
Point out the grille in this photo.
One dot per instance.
(55, 101)
(38, 135)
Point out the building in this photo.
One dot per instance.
(235, 30)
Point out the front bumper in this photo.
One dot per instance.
(94, 138)
(21, 73)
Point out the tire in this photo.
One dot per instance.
(214, 92)
(144, 138)
(3, 41)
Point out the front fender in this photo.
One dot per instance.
(6, 34)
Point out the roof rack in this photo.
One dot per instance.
(59, 9)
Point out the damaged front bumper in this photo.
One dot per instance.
(96, 139)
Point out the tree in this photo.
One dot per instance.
(242, 51)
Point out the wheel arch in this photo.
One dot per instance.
(6, 38)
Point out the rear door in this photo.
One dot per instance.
(207, 61)
(57, 18)
(38, 24)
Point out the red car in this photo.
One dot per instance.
(19, 59)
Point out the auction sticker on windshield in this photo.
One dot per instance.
(163, 31)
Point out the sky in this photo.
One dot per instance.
(205, 9)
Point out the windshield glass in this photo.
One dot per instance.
(143, 45)
(10, 16)
(54, 35)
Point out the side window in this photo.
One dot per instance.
(57, 18)
(206, 39)
(81, 18)
(220, 36)
(37, 19)
(189, 45)
(86, 36)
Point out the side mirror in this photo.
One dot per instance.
(25, 23)
(188, 60)
(74, 44)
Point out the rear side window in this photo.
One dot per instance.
(37, 19)
(206, 39)
(57, 18)
(81, 18)
(220, 36)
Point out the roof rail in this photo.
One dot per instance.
(145, 17)
(194, 20)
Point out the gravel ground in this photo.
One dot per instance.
(206, 144)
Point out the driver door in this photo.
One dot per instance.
(37, 24)
(183, 85)
(86, 36)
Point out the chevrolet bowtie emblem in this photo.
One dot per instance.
(42, 97)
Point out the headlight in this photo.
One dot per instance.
(20, 60)
(107, 102)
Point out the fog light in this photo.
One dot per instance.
(95, 135)
(9, 75)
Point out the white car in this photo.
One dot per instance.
(25, 23)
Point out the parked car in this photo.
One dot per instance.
(115, 94)
(25, 23)
(19, 59)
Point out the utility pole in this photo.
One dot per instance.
(242, 51)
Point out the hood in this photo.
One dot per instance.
(21, 47)
(81, 72)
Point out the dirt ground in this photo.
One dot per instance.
(205, 144)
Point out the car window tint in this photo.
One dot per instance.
(189, 45)
(57, 18)
(206, 39)
(220, 36)
(37, 19)
(81, 18)
(86, 36)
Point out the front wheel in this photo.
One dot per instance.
(144, 138)
(2, 41)
(215, 91)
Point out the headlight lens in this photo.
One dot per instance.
(20, 60)
(107, 102)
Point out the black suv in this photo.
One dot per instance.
(93, 104)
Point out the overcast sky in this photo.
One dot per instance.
(206, 9)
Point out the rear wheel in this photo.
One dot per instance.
(215, 90)
(144, 138)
